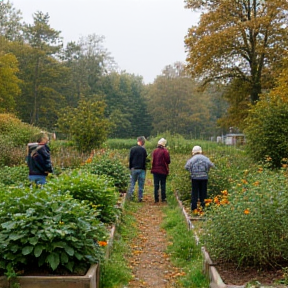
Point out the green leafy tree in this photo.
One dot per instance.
(237, 40)
(86, 124)
(267, 124)
(88, 60)
(126, 105)
(9, 88)
(176, 105)
(10, 21)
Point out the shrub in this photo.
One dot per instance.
(47, 229)
(267, 130)
(17, 175)
(14, 135)
(86, 124)
(249, 225)
(96, 190)
(109, 164)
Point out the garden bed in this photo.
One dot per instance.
(89, 280)
(231, 275)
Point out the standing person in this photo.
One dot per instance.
(160, 169)
(38, 159)
(137, 166)
(199, 166)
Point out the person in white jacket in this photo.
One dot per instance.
(198, 166)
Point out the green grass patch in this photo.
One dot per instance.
(184, 251)
(115, 271)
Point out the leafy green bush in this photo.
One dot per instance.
(97, 190)
(250, 227)
(109, 164)
(47, 229)
(267, 130)
(86, 124)
(14, 136)
(17, 175)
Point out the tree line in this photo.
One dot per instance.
(46, 84)
(236, 58)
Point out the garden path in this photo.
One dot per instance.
(150, 263)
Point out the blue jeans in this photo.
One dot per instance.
(137, 175)
(159, 179)
(38, 179)
(199, 190)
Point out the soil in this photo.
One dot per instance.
(151, 265)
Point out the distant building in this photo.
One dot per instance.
(234, 139)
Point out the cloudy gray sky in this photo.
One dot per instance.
(143, 36)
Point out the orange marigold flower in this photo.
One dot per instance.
(102, 243)
(89, 160)
(244, 181)
(224, 192)
(256, 183)
(284, 165)
(208, 200)
(260, 169)
(224, 201)
(246, 211)
(216, 200)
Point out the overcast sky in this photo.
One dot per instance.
(143, 36)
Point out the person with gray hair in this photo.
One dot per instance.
(137, 166)
(198, 166)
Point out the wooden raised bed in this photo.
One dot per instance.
(90, 280)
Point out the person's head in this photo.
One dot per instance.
(162, 142)
(42, 138)
(196, 150)
(141, 140)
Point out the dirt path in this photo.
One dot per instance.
(150, 264)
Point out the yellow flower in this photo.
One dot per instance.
(256, 183)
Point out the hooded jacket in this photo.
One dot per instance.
(38, 159)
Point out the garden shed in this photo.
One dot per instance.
(234, 139)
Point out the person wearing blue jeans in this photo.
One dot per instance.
(137, 166)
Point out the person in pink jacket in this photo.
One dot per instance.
(160, 169)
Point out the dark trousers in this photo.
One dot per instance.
(199, 191)
(159, 179)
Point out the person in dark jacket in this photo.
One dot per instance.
(198, 166)
(137, 166)
(39, 160)
(160, 169)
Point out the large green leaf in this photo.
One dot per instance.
(27, 250)
(53, 260)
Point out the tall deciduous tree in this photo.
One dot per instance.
(9, 88)
(237, 39)
(10, 21)
(176, 106)
(88, 61)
